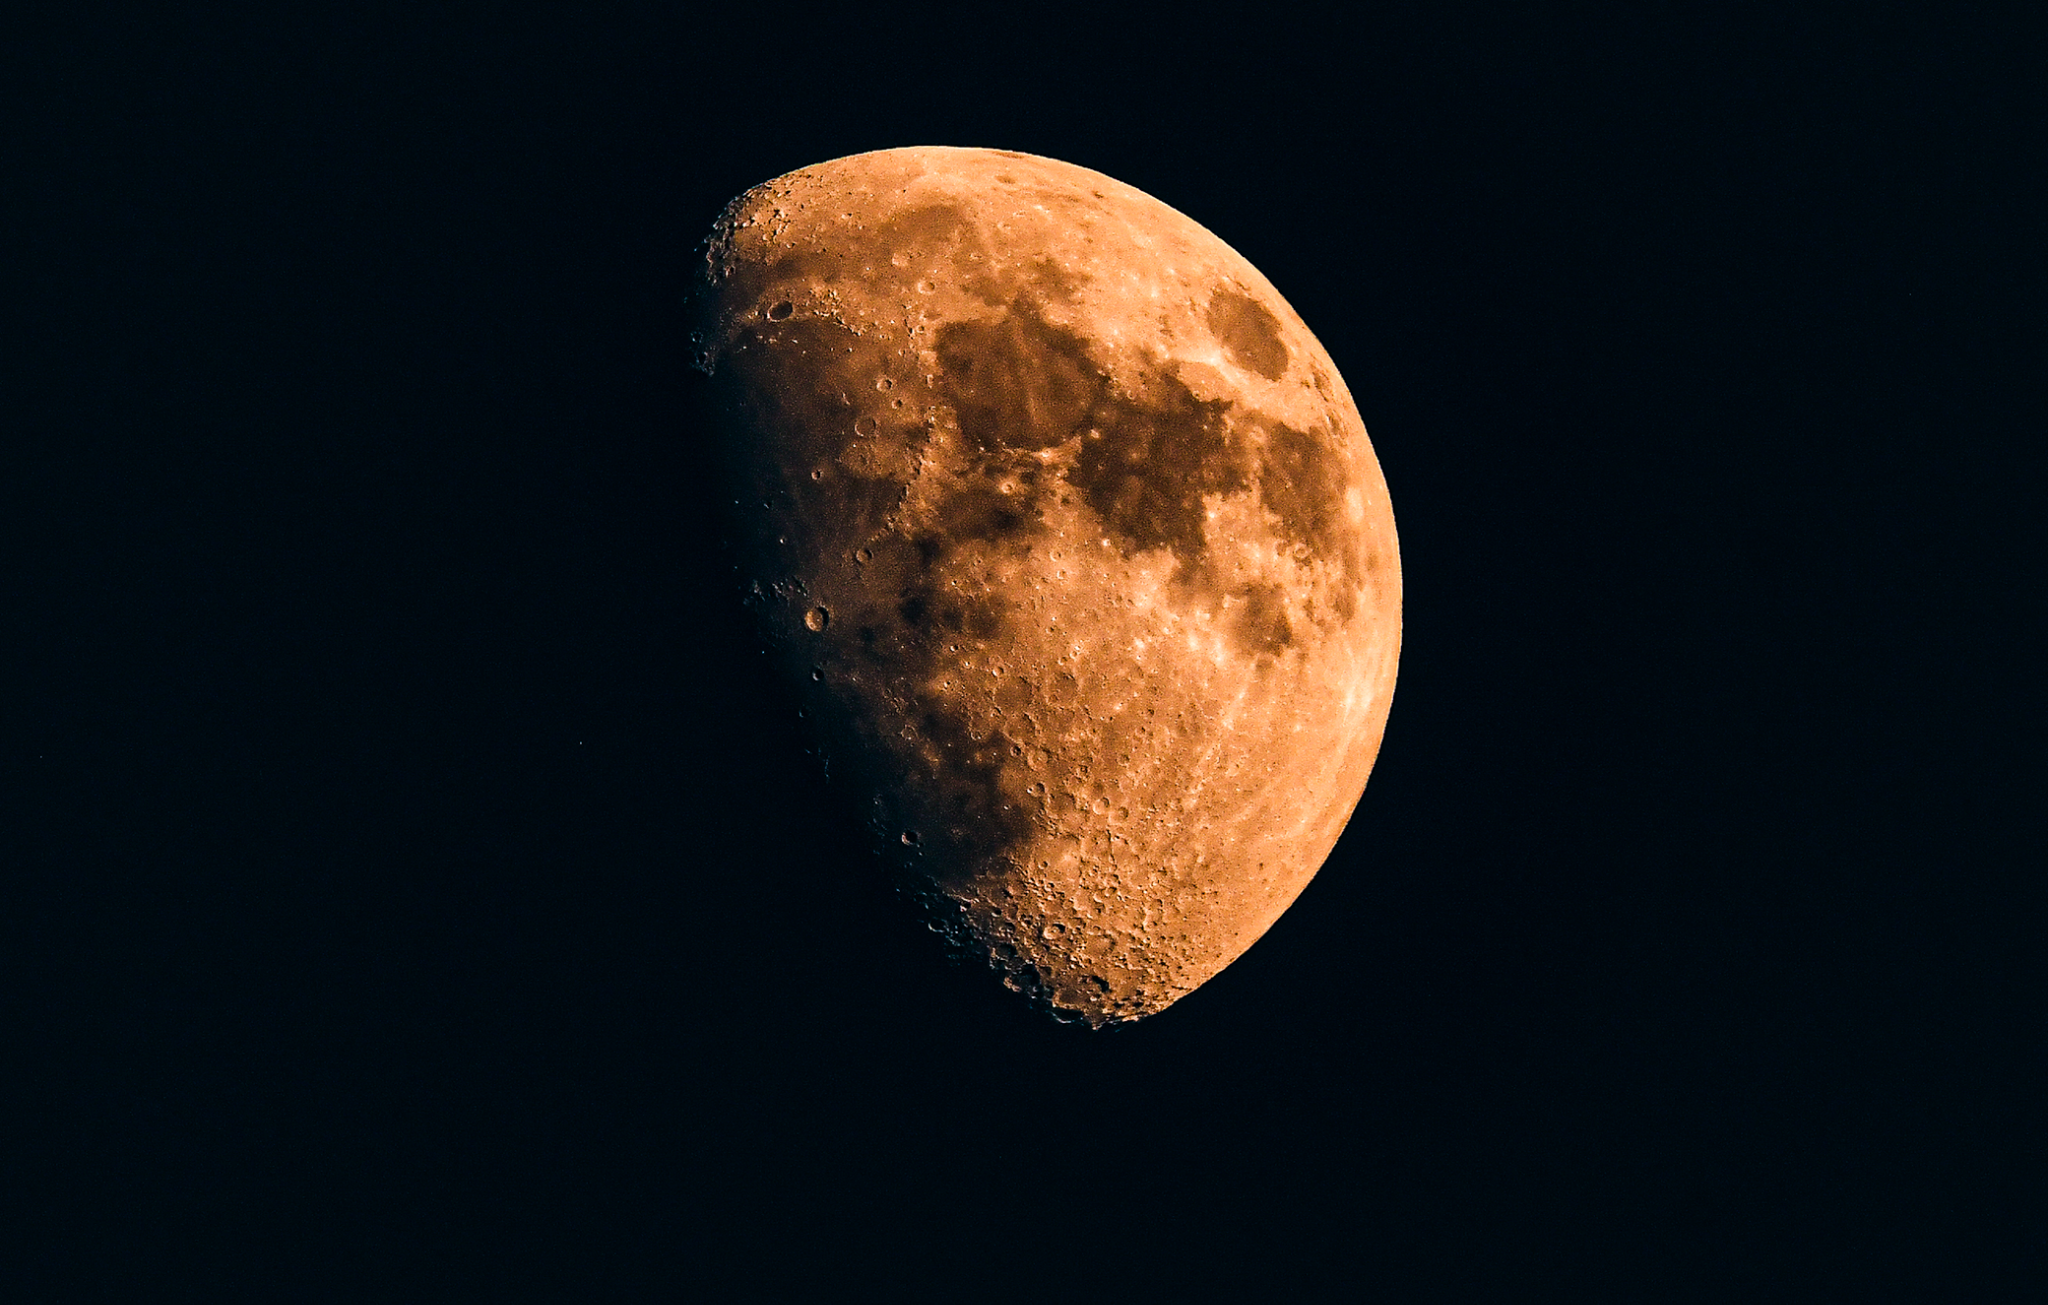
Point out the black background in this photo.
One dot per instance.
(418, 891)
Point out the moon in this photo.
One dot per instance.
(1070, 537)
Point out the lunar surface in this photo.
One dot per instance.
(1068, 535)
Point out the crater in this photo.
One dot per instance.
(922, 231)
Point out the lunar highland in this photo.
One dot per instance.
(1069, 536)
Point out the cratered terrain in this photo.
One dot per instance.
(1069, 536)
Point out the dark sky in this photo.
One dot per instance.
(419, 893)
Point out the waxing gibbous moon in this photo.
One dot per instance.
(1069, 535)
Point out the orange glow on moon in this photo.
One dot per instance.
(1070, 535)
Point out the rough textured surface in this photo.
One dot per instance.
(1073, 536)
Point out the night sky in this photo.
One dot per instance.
(417, 890)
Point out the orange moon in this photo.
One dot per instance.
(1070, 537)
